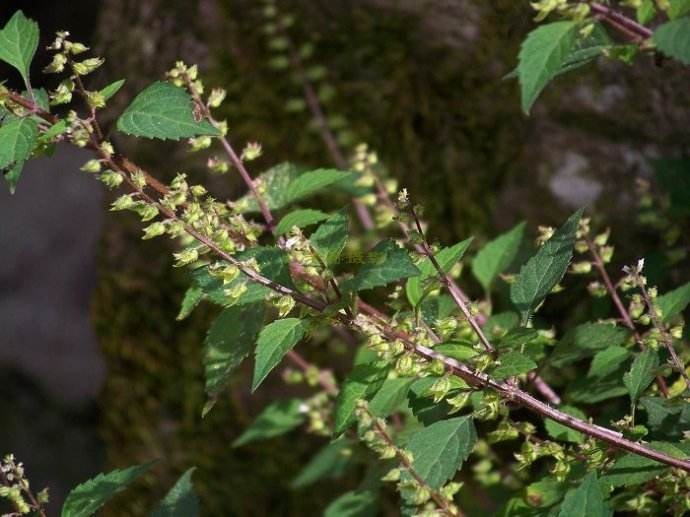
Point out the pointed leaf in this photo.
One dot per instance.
(330, 462)
(446, 258)
(587, 500)
(301, 219)
(278, 418)
(229, 340)
(18, 137)
(545, 269)
(363, 381)
(192, 298)
(85, 499)
(330, 237)
(608, 361)
(512, 364)
(180, 501)
(673, 39)
(111, 89)
(391, 395)
(439, 450)
(497, 255)
(585, 340)
(18, 43)
(360, 503)
(275, 340)
(674, 302)
(312, 181)
(641, 374)
(385, 264)
(541, 56)
(163, 111)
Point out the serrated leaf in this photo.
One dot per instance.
(390, 397)
(641, 374)
(277, 418)
(85, 499)
(299, 218)
(273, 264)
(666, 418)
(18, 43)
(446, 258)
(585, 340)
(545, 269)
(363, 381)
(273, 185)
(192, 297)
(587, 500)
(180, 501)
(385, 264)
(230, 339)
(311, 182)
(439, 450)
(558, 431)
(541, 56)
(275, 340)
(330, 237)
(330, 462)
(674, 302)
(673, 39)
(633, 469)
(512, 364)
(360, 503)
(111, 89)
(163, 111)
(497, 255)
(608, 361)
(678, 8)
(18, 138)
(423, 407)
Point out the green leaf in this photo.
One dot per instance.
(311, 182)
(180, 501)
(329, 462)
(273, 264)
(275, 340)
(163, 111)
(541, 56)
(229, 340)
(558, 431)
(363, 381)
(633, 469)
(299, 218)
(18, 138)
(641, 374)
(422, 405)
(545, 269)
(512, 364)
(667, 418)
(111, 89)
(587, 500)
(439, 450)
(446, 258)
(497, 255)
(388, 264)
(85, 499)
(459, 350)
(18, 43)
(390, 397)
(678, 8)
(585, 340)
(56, 129)
(673, 39)
(278, 418)
(646, 11)
(674, 302)
(192, 298)
(592, 391)
(330, 237)
(360, 503)
(608, 361)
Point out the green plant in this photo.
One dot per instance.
(436, 377)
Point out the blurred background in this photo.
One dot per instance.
(96, 373)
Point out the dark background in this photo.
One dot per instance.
(95, 371)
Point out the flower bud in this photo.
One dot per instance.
(154, 230)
